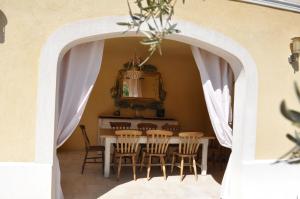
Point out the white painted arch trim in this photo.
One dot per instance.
(243, 66)
(291, 5)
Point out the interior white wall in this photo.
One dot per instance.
(243, 66)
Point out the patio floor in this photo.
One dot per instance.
(92, 184)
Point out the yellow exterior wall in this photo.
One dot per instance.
(184, 101)
(264, 32)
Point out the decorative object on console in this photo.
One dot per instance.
(117, 111)
(160, 112)
(138, 88)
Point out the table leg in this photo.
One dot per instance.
(107, 158)
(204, 157)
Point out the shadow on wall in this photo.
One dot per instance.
(3, 23)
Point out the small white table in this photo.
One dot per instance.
(110, 139)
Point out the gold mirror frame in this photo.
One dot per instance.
(138, 103)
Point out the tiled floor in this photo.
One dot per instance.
(92, 184)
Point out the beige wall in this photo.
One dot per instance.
(184, 100)
(264, 32)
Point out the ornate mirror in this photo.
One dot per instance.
(138, 87)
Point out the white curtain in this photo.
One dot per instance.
(79, 70)
(217, 82)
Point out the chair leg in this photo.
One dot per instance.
(103, 158)
(142, 162)
(149, 168)
(190, 164)
(113, 162)
(133, 167)
(163, 167)
(173, 162)
(195, 168)
(119, 167)
(181, 168)
(84, 161)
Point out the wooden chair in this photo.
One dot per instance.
(218, 154)
(188, 147)
(146, 126)
(171, 127)
(175, 128)
(99, 150)
(127, 146)
(157, 145)
(120, 125)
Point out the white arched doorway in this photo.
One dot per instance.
(243, 66)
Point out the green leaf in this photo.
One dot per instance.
(293, 139)
(160, 18)
(147, 34)
(135, 17)
(159, 49)
(139, 3)
(291, 115)
(123, 23)
(297, 90)
(149, 42)
(148, 2)
(172, 27)
(150, 27)
(140, 15)
(149, 8)
(129, 8)
(294, 161)
(297, 135)
(135, 23)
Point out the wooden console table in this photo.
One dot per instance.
(104, 121)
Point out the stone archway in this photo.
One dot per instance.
(70, 35)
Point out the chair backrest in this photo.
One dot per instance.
(171, 127)
(189, 142)
(85, 137)
(120, 125)
(146, 126)
(158, 141)
(127, 141)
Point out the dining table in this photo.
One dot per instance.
(109, 140)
